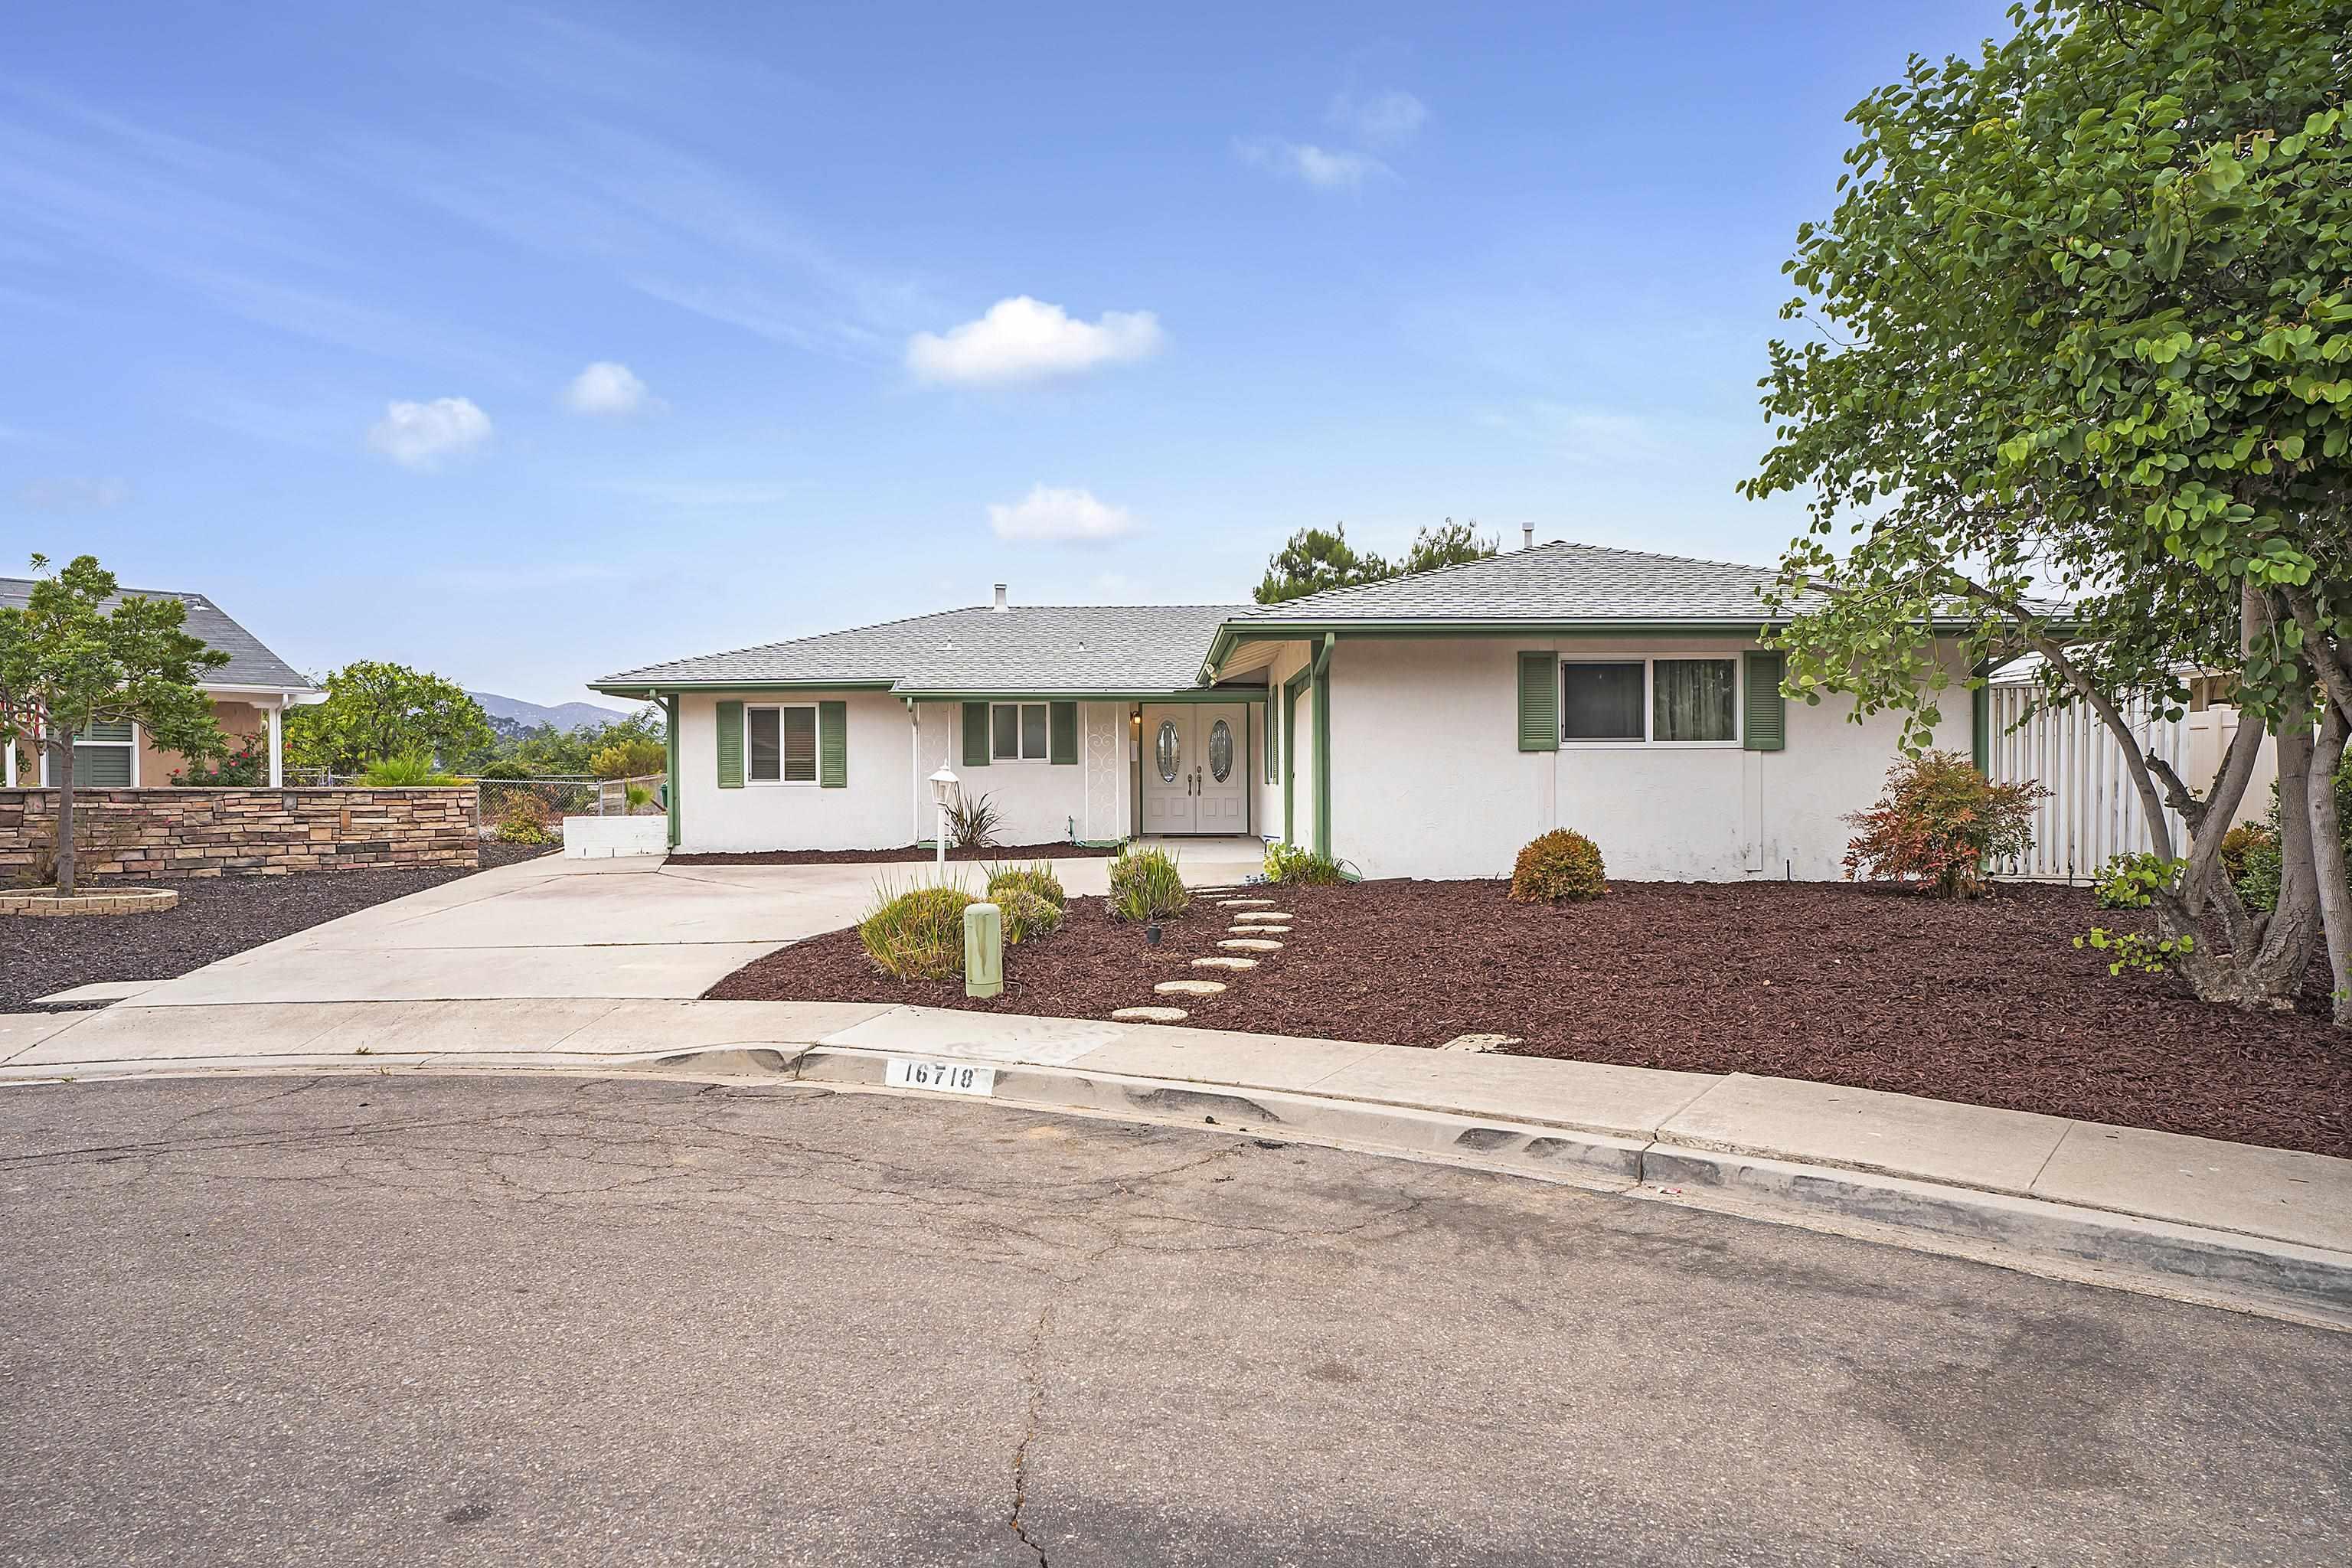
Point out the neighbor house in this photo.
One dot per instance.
(1426, 726)
(250, 694)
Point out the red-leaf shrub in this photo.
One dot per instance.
(1938, 822)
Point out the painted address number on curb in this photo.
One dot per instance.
(954, 1078)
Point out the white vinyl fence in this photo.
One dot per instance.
(2091, 811)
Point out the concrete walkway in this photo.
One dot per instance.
(559, 929)
(2226, 1219)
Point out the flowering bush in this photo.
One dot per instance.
(1938, 822)
(245, 765)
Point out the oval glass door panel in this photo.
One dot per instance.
(1167, 751)
(1221, 750)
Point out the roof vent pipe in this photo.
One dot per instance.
(1001, 606)
(1527, 536)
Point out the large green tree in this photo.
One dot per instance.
(67, 661)
(376, 711)
(2081, 325)
(1314, 559)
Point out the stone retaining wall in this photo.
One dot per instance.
(147, 834)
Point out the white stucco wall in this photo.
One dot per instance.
(1291, 659)
(1428, 779)
(887, 802)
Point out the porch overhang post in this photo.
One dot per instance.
(8, 765)
(1322, 670)
(278, 743)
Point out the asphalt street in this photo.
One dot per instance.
(536, 1321)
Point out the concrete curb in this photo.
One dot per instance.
(2215, 1267)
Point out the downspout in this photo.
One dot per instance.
(1322, 676)
(670, 763)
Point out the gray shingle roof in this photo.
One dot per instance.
(1555, 582)
(249, 663)
(1110, 648)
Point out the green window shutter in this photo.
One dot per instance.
(1538, 702)
(1767, 726)
(975, 734)
(731, 745)
(833, 745)
(1062, 719)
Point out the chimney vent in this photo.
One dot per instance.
(1527, 536)
(1001, 606)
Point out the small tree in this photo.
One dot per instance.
(375, 710)
(69, 661)
(1450, 544)
(1315, 559)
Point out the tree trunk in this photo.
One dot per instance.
(2275, 969)
(2328, 860)
(61, 761)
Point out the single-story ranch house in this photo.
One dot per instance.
(250, 695)
(1426, 726)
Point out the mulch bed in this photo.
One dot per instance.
(216, 916)
(1988, 1003)
(998, 854)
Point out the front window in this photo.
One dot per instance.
(1601, 701)
(1651, 701)
(1016, 732)
(102, 755)
(779, 745)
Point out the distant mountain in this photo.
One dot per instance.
(512, 715)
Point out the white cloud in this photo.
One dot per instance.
(1303, 161)
(420, 435)
(1021, 338)
(609, 388)
(75, 494)
(1384, 119)
(1059, 516)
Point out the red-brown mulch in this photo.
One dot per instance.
(1988, 1003)
(1006, 853)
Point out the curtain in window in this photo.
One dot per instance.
(800, 745)
(1004, 729)
(1601, 701)
(1033, 729)
(1694, 699)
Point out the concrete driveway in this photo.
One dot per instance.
(558, 928)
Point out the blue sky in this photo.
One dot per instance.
(529, 345)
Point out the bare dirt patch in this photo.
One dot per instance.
(1988, 1003)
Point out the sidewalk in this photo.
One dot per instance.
(2223, 1218)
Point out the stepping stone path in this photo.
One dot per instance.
(1224, 963)
(1264, 916)
(1188, 987)
(1258, 931)
(1480, 1042)
(1150, 1016)
(1246, 903)
(1250, 945)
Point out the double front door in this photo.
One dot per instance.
(1196, 768)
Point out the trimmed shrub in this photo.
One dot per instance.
(1297, 864)
(1145, 886)
(1026, 914)
(523, 818)
(1938, 822)
(918, 933)
(1558, 867)
(1037, 878)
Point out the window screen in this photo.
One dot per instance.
(766, 747)
(1601, 701)
(1004, 731)
(1033, 729)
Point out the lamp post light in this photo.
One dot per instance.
(943, 788)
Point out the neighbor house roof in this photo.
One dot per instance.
(1045, 649)
(251, 665)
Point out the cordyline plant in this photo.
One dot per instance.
(67, 662)
(2087, 305)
